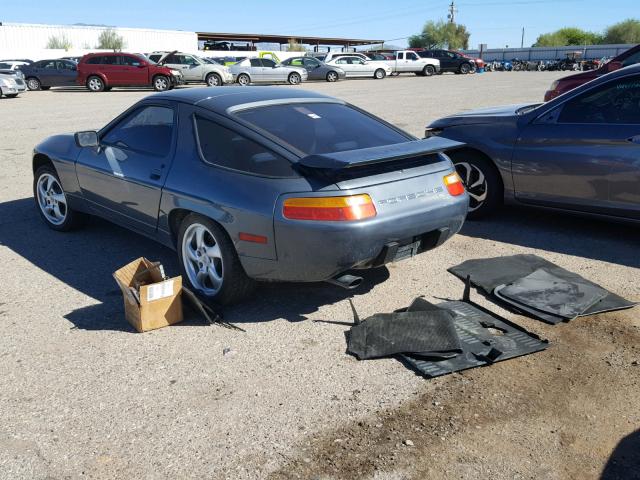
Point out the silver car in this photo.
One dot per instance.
(265, 70)
(193, 68)
(9, 86)
(355, 66)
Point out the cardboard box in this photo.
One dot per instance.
(160, 301)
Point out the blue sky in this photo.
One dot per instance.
(495, 22)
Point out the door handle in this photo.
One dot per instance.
(634, 139)
(156, 174)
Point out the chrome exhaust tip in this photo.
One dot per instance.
(348, 282)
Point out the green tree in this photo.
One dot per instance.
(110, 40)
(627, 31)
(568, 36)
(441, 34)
(59, 42)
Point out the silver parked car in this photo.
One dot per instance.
(194, 69)
(9, 86)
(316, 70)
(355, 66)
(265, 70)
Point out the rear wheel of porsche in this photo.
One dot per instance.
(51, 201)
(243, 79)
(209, 261)
(95, 84)
(482, 182)
(379, 74)
(161, 83)
(295, 79)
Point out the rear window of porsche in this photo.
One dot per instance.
(316, 128)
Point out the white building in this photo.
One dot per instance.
(22, 40)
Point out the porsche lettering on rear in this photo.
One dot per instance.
(411, 196)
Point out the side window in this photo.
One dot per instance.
(255, 62)
(188, 60)
(615, 102)
(49, 65)
(631, 59)
(267, 62)
(129, 61)
(342, 61)
(400, 56)
(154, 58)
(226, 148)
(310, 62)
(412, 56)
(147, 130)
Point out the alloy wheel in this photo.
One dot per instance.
(33, 84)
(213, 80)
(294, 79)
(161, 84)
(202, 259)
(244, 80)
(51, 199)
(475, 183)
(332, 77)
(95, 84)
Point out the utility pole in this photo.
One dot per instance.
(452, 12)
(522, 40)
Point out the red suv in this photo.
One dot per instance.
(626, 58)
(101, 71)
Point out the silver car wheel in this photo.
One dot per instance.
(213, 80)
(161, 84)
(244, 79)
(51, 199)
(474, 182)
(379, 74)
(95, 84)
(33, 84)
(294, 79)
(202, 259)
(332, 77)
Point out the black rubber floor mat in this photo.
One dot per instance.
(546, 292)
(489, 273)
(428, 332)
(484, 337)
(532, 312)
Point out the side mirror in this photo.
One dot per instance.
(88, 138)
(613, 65)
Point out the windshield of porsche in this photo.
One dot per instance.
(316, 128)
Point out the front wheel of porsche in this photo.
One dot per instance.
(209, 261)
(52, 201)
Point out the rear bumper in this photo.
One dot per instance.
(317, 251)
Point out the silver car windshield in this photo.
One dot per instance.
(316, 128)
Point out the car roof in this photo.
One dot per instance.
(219, 99)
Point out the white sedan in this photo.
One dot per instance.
(355, 66)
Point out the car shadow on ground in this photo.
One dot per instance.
(561, 233)
(86, 259)
(624, 462)
(81, 89)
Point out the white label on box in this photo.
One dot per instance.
(159, 290)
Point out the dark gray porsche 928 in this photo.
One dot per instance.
(256, 184)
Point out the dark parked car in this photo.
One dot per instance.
(102, 71)
(44, 74)
(558, 87)
(578, 152)
(256, 183)
(450, 61)
(316, 69)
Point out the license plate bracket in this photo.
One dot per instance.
(407, 251)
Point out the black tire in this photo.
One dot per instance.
(107, 89)
(244, 79)
(482, 182)
(235, 284)
(45, 88)
(379, 74)
(213, 80)
(161, 83)
(95, 84)
(33, 83)
(428, 70)
(465, 68)
(10, 95)
(332, 76)
(72, 219)
(294, 79)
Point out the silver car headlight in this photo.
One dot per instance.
(6, 82)
(176, 72)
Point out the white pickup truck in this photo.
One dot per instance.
(407, 61)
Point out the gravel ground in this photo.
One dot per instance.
(82, 396)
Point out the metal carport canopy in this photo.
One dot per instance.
(282, 39)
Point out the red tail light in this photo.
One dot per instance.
(335, 209)
(454, 184)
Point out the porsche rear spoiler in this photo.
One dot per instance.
(375, 155)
